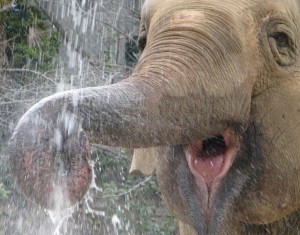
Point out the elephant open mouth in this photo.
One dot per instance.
(210, 160)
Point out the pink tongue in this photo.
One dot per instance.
(209, 168)
(210, 163)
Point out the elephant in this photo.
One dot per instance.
(214, 100)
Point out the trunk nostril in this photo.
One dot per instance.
(214, 146)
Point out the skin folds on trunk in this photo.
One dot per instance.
(124, 114)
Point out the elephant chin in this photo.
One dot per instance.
(209, 161)
(52, 177)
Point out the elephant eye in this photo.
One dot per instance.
(281, 39)
(282, 42)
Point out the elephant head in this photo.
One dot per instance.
(218, 83)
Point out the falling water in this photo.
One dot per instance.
(59, 216)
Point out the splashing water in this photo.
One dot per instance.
(89, 199)
(116, 223)
(58, 217)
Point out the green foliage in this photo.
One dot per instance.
(4, 3)
(37, 57)
(30, 43)
(4, 193)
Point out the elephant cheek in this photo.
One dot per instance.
(54, 182)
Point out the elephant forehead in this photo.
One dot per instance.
(187, 17)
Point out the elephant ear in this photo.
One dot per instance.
(143, 161)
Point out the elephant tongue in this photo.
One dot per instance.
(210, 160)
(209, 167)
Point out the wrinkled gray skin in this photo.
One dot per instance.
(206, 67)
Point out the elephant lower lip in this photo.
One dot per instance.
(210, 160)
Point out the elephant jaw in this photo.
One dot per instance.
(209, 161)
